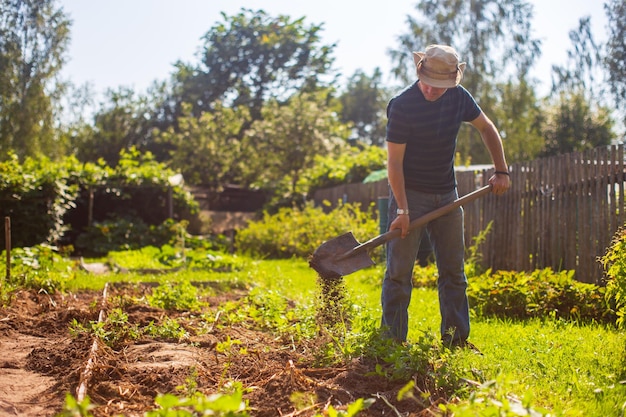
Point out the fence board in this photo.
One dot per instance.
(561, 212)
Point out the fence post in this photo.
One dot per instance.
(7, 245)
(383, 211)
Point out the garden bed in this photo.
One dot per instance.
(43, 360)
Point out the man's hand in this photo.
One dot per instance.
(500, 183)
(401, 222)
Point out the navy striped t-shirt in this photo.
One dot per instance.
(429, 129)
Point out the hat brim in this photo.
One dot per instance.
(434, 82)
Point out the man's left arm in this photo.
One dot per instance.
(492, 140)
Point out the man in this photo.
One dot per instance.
(423, 123)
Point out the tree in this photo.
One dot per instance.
(586, 121)
(492, 36)
(583, 69)
(616, 52)
(121, 123)
(33, 38)
(363, 104)
(252, 58)
(573, 125)
(207, 150)
(520, 118)
(290, 137)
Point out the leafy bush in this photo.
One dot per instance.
(541, 293)
(51, 202)
(40, 268)
(124, 234)
(614, 264)
(351, 166)
(36, 195)
(298, 232)
(178, 296)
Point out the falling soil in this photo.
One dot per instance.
(42, 360)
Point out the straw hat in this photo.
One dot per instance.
(439, 66)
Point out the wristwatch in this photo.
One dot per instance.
(402, 211)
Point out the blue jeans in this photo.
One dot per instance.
(447, 239)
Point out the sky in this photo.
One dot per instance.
(132, 43)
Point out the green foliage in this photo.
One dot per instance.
(168, 329)
(352, 409)
(269, 310)
(74, 408)
(168, 257)
(353, 165)
(541, 293)
(49, 201)
(363, 104)
(36, 195)
(285, 56)
(124, 234)
(575, 124)
(178, 296)
(298, 232)
(522, 135)
(615, 59)
(40, 268)
(120, 123)
(34, 36)
(614, 265)
(491, 399)
(218, 405)
(290, 136)
(208, 149)
(115, 330)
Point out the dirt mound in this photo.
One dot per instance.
(41, 360)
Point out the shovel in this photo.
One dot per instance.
(344, 255)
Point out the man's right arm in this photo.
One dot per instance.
(395, 174)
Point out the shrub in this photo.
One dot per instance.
(40, 268)
(541, 293)
(127, 233)
(298, 232)
(614, 265)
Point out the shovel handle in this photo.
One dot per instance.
(420, 221)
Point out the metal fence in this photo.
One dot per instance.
(561, 212)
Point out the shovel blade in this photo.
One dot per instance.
(330, 259)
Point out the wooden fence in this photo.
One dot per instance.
(561, 212)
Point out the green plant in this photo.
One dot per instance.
(352, 409)
(40, 268)
(473, 255)
(298, 232)
(614, 264)
(74, 408)
(178, 296)
(168, 329)
(217, 405)
(541, 293)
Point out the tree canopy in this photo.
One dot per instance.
(251, 58)
(33, 38)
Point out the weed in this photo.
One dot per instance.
(178, 296)
(614, 264)
(74, 408)
(169, 329)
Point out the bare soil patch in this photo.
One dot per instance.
(41, 361)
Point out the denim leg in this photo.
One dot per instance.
(398, 284)
(447, 238)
